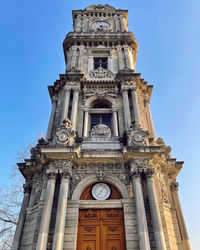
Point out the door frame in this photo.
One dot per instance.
(130, 220)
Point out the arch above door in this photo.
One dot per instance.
(93, 178)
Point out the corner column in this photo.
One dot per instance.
(74, 107)
(86, 121)
(127, 59)
(180, 218)
(140, 210)
(155, 213)
(22, 217)
(65, 106)
(46, 213)
(120, 56)
(52, 116)
(136, 116)
(61, 211)
(115, 123)
(152, 130)
(127, 114)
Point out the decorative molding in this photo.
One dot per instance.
(101, 73)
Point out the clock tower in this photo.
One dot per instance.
(101, 179)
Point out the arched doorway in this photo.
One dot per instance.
(101, 228)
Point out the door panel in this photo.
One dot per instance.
(101, 230)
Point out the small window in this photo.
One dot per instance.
(100, 62)
(101, 119)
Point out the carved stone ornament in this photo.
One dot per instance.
(101, 73)
(174, 186)
(163, 187)
(61, 164)
(139, 164)
(136, 136)
(38, 190)
(64, 135)
(100, 131)
(100, 175)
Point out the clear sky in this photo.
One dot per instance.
(168, 34)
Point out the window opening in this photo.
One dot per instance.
(101, 119)
(100, 62)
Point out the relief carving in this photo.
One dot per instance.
(136, 136)
(64, 135)
(38, 190)
(100, 131)
(163, 187)
(90, 214)
(101, 73)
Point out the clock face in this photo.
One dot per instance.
(101, 191)
(99, 25)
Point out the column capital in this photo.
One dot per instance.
(51, 176)
(114, 109)
(124, 89)
(119, 47)
(27, 188)
(142, 163)
(54, 99)
(135, 173)
(76, 89)
(149, 172)
(67, 88)
(174, 186)
(133, 88)
(66, 174)
(87, 109)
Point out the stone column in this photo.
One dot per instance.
(127, 59)
(117, 23)
(155, 212)
(120, 56)
(52, 116)
(74, 107)
(152, 130)
(180, 218)
(127, 114)
(86, 121)
(136, 116)
(115, 123)
(122, 22)
(80, 58)
(65, 106)
(78, 23)
(46, 213)
(22, 217)
(140, 211)
(61, 211)
(74, 56)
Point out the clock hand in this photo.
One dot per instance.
(100, 191)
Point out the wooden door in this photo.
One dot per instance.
(101, 229)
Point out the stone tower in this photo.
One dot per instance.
(100, 179)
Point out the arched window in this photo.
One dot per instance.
(101, 113)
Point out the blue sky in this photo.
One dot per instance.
(168, 35)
